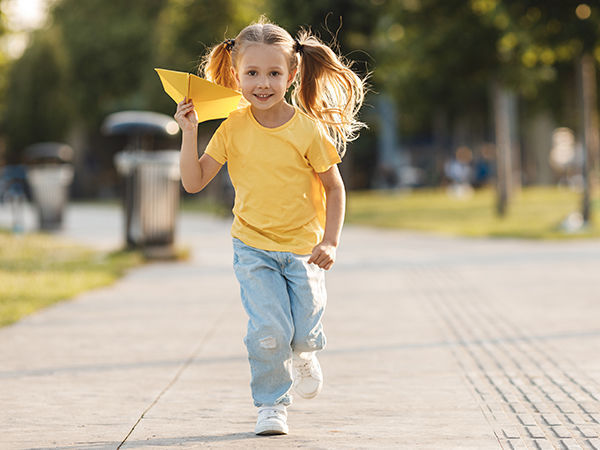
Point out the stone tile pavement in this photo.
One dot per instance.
(434, 343)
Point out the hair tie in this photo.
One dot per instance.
(229, 43)
(298, 47)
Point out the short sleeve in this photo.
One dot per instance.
(217, 146)
(321, 153)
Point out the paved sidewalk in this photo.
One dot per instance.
(434, 343)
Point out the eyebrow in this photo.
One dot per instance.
(270, 68)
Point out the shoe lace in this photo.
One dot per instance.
(304, 369)
(270, 413)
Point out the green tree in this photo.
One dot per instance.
(445, 57)
(539, 40)
(86, 63)
(444, 53)
(110, 46)
(433, 55)
(39, 108)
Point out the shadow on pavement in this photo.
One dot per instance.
(162, 442)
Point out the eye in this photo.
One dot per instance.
(275, 73)
(252, 72)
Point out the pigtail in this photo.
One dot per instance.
(328, 90)
(216, 65)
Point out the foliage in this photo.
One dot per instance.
(40, 108)
(539, 41)
(87, 63)
(39, 270)
(110, 47)
(434, 54)
(446, 53)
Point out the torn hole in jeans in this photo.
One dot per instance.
(268, 342)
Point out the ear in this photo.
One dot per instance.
(291, 78)
(235, 75)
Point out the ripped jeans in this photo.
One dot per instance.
(284, 298)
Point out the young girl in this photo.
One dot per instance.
(289, 196)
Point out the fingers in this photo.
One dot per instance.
(323, 258)
(184, 108)
(325, 264)
(184, 101)
(316, 256)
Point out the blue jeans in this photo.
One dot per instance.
(284, 298)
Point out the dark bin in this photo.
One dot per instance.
(151, 198)
(49, 173)
(151, 182)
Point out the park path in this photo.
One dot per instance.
(433, 343)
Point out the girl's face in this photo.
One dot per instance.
(263, 75)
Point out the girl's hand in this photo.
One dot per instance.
(323, 255)
(186, 116)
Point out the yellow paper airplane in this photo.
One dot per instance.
(211, 101)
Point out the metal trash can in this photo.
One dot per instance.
(49, 174)
(151, 181)
(151, 199)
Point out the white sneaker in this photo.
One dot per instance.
(308, 378)
(271, 420)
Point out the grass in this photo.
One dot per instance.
(37, 270)
(533, 213)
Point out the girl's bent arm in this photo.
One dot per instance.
(323, 255)
(195, 173)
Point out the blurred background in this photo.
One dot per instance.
(464, 94)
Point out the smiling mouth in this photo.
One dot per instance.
(263, 96)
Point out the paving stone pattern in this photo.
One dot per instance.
(530, 397)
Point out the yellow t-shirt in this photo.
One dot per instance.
(279, 198)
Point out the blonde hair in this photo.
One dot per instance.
(325, 87)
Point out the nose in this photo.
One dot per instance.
(263, 81)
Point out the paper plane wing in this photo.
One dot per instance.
(211, 101)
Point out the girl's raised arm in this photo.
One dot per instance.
(195, 173)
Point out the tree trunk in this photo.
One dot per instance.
(588, 129)
(504, 153)
(537, 145)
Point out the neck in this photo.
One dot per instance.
(273, 117)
